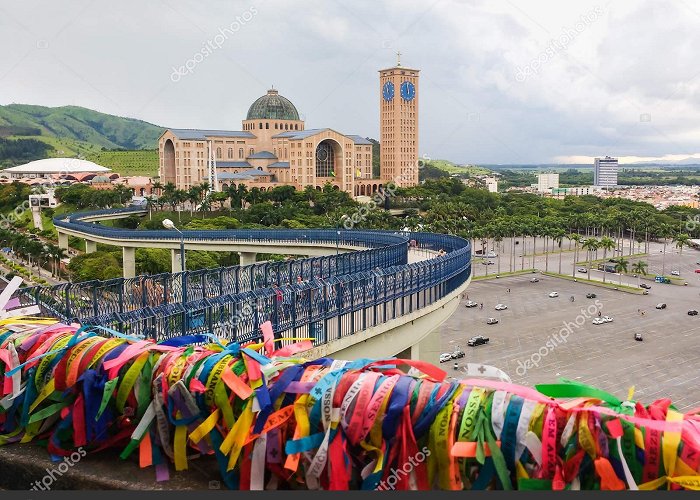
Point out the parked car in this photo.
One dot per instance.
(638, 337)
(591, 295)
(491, 321)
(597, 321)
(445, 356)
(697, 270)
(607, 319)
(662, 305)
(675, 273)
(582, 270)
(553, 294)
(644, 285)
(534, 280)
(458, 354)
(501, 307)
(491, 255)
(645, 292)
(692, 312)
(477, 340)
(471, 303)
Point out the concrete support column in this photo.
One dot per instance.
(63, 240)
(248, 258)
(90, 246)
(129, 261)
(176, 260)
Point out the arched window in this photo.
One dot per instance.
(267, 125)
(240, 152)
(218, 153)
(325, 159)
(286, 126)
(275, 126)
(260, 125)
(296, 127)
(252, 152)
(230, 153)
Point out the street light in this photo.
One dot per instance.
(168, 224)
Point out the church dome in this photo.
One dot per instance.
(272, 106)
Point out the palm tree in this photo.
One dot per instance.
(576, 238)
(639, 267)
(621, 266)
(681, 240)
(558, 236)
(194, 195)
(606, 244)
(591, 244)
(156, 186)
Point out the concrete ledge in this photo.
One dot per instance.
(23, 464)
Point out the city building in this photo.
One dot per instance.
(605, 172)
(547, 181)
(575, 191)
(491, 184)
(274, 147)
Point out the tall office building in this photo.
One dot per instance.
(547, 181)
(605, 172)
(398, 115)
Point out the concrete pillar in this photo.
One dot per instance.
(129, 261)
(176, 260)
(62, 240)
(90, 246)
(248, 258)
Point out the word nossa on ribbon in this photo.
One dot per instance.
(274, 420)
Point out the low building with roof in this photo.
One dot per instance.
(57, 168)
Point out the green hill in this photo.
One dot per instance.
(82, 125)
(69, 131)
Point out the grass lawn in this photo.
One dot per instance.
(128, 163)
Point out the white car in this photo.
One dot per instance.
(607, 319)
(445, 356)
(501, 307)
(598, 321)
(675, 273)
(582, 270)
(471, 303)
(553, 294)
(491, 255)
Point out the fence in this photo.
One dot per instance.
(324, 298)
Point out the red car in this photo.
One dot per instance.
(697, 270)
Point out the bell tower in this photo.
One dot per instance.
(398, 124)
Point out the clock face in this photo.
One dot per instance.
(388, 91)
(408, 91)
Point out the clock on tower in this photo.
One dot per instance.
(399, 125)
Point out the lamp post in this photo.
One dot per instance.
(168, 224)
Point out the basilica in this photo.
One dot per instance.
(274, 147)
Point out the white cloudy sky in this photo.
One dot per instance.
(512, 81)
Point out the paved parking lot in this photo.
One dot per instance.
(533, 328)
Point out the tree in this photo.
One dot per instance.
(575, 237)
(681, 240)
(639, 267)
(591, 245)
(606, 244)
(621, 266)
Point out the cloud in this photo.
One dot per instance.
(617, 78)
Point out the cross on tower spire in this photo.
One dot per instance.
(398, 58)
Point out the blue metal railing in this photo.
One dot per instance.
(324, 298)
